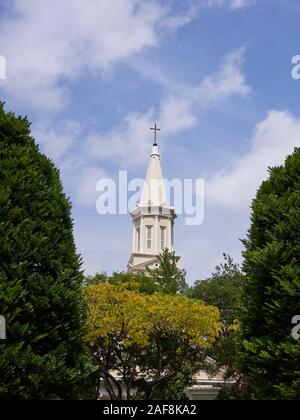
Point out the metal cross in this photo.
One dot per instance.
(155, 131)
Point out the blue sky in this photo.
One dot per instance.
(215, 74)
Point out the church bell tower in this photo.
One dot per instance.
(153, 218)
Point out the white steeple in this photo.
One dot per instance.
(154, 190)
(153, 219)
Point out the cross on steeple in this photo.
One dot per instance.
(155, 129)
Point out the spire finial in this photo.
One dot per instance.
(155, 131)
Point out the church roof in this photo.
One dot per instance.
(154, 189)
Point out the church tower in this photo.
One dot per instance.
(153, 218)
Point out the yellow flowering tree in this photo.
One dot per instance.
(139, 342)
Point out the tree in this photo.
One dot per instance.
(224, 290)
(269, 355)
(168, 276)
(141, 282)
(40, 278)
(142, 341)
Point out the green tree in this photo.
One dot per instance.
(269, 355)
(224, 290)
(168, 276)
(40, 278)
(142, 282)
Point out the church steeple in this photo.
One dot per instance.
(153, 219)
(154, 191)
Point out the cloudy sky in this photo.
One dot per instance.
(94, 76)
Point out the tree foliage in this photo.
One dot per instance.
(269, 355)
(168, 278)
(140, 282)
(168, 275)
(40, 277)
(224, 290)
(143, 340)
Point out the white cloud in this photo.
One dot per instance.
(177, 113)
(56, 143)
(181, 110)
(232, 4)
(128, 143)
(45, 41)
(190, 12)
(240, 4)
(230, 80)
(273, 139)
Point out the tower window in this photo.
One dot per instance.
(162, 237)
(149, 237)
(138, 237)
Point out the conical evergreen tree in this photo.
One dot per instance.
(270, 356)
(40, 278)
(168, 276)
